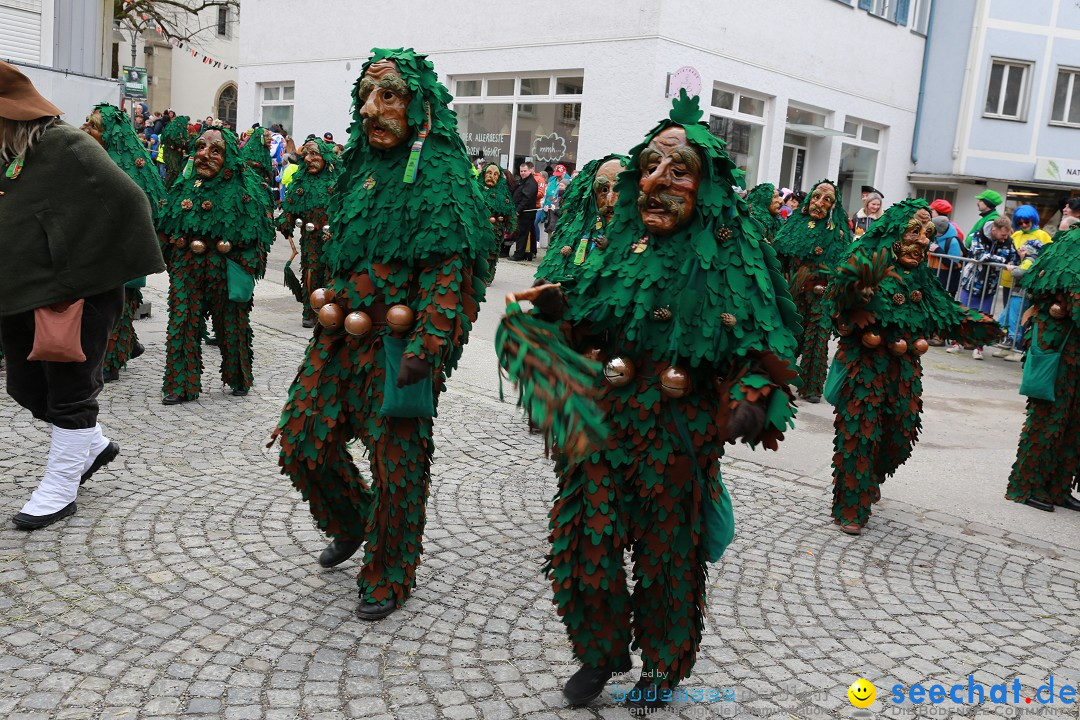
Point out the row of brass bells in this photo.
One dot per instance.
(619, 371)
(331, 316)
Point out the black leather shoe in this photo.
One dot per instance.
(36, 522)
(338, 551)
(175, 399)
(308, 322)
(239, 392)
(213, 341)
(645, 698)
(110, 375)
(137, 351)
(371, 611)
(1071, 503)
(588, 682)
(1039, 505)
(104, 457)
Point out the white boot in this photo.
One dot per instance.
(98, 443)
(67, 457)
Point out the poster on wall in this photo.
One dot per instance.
(135, 82)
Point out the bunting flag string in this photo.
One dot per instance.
(203, 58)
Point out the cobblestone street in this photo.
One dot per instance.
(187, 585)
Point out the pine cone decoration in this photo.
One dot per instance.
(662, 314)
(898, 299)
(207, 205)
(187, 204)
(728, 320)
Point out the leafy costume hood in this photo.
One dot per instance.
(225, 207)
(718, 265)
(130, 154)
(498, 201)
(577, 220)
(759, 199)
(797, 239)
(1058, 267)
(306, 191)
(177, 141)
(911, 300)
(381, 216)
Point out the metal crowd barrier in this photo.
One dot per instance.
(1008, 310)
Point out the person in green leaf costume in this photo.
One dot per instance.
(407, 259)
(689, 312)
(501, 211)
(764, 202)
(884, 302)
(111, 127)
(215, 234)
(177, 141)
(307, 200)
(587, 207)
(1047, 466)
(811, 243)
(256, 155)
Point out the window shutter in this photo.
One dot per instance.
(867, 5)
(901, 16)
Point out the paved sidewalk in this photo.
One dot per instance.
(186, 584)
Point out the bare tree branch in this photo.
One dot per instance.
(175, 17)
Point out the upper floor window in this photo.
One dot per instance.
(1006, 93)
(892, 10)
(223, 29)
(1067, 98)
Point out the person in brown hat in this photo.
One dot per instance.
(75, 229)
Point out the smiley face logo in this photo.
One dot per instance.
(862, 693)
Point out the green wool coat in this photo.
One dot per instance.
(73, 225)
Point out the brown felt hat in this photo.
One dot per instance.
(19, 99)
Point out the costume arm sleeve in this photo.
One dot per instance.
(761, 378)
(445, 308)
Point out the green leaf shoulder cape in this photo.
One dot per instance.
(377, 217)
(224, 207)
(719, 265)
(309, 192)
(797, 240)
(578, 220)
(127, 151)
(498, 202)
(759, 201)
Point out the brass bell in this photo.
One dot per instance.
(871, 339)
(1057, 311)
(898, 346)
(309, 227)
(358, 323)
(326, 229)
(674, 382)
(919, 347)
(492, 220)
(299, 223)
(843, 329)
(198, 247)
(400, 319)
(594, 354)
(320, 297)
(224, 246)
(819, 290)
(331, 316)
(181, 243)
(618, 372)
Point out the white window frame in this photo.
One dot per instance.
(517, 99)
(920, 17)
(1026, 67)
(279, 102)
(882, 8)
(734, 114)
(858, 138)
(1072, 95)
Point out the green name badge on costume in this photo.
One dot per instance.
(136, 284)
(834, 380)
(582, 248)
(1041, 370)
(411, 401)
(719, 524)
(241, 283)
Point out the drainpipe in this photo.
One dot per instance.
(922, 85)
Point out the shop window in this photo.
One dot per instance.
(743, 143)
(892, 10)
(277, 104)
(858, 167)
(802, 116)
(723, 99)
(1067, 98)
(932, 194)
(1006, 93)
(511, 119)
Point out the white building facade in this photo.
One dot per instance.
(1001, 107)
(828, 91)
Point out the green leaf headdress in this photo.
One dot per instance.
(127, 151)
